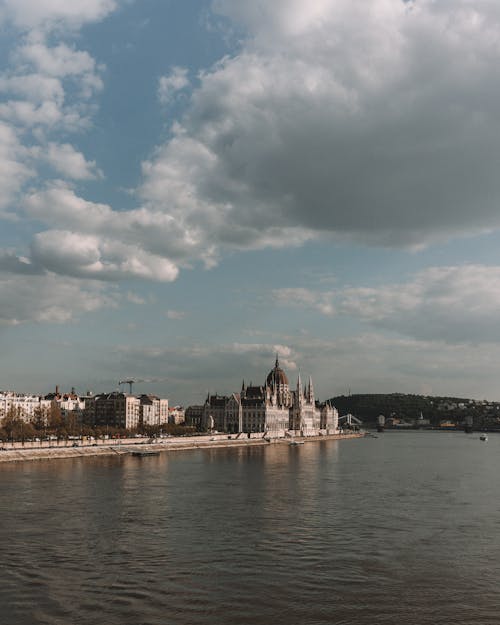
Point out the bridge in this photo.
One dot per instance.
(350, 420)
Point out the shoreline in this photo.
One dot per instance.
(163, 446)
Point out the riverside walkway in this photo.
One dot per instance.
(33, 451)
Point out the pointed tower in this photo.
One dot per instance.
(298, 403)
(310, 392)
(299, 393)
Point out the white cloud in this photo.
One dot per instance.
(305, 298)
(47, 88)
(455, 304)
(336, 119)
(92, 240)
(70, 163)
(14, 169)
(175, 314)
(49, 298)
(340, 119)
(135, 299)
(172, 83)
(101, 258)
(59, 61)
(28, 14)
(36, 87)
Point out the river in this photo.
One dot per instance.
(399, 529)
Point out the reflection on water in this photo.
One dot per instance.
(399, 529)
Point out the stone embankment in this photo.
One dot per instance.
(17, 452)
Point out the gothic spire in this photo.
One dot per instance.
(299, 386)
(310, 391)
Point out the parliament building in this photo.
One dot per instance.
(273, 409)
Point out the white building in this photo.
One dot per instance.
(24, 405)
(153, 410)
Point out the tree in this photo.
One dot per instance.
(56, 424)
(39, 420)
(14, 427)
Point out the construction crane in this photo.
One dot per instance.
(129, 382)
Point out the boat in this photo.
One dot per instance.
(145, 452)
(483, 437)
(294, 442)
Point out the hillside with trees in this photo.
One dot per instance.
(408, 408)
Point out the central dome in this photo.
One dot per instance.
(277, 377)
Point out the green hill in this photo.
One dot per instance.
(368, 407)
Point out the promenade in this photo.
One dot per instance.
(30, 451)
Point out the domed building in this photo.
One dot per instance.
(272, 409)
(277, 382)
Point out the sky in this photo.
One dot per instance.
(189, 188)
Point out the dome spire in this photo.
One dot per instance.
(277, 363)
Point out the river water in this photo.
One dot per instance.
(399, 529)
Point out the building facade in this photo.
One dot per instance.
(272, 409)
(153, 410)
(24, 406)
(116, 409)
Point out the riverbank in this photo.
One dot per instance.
(130, 446)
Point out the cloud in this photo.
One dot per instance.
(458, 304)
(171, 84)
(175, 314)
(49, 299)
(376, 363)
(91, 240)
(11, 263)
(305, 298)
(46, 88)
(369, 362)
(336, 120)
(36, 87)
(455, 304)
(14, 165)
(49, 85)
(71, 163)
(192, 369)
(340, 119)
(79, 255)
(135, 299)
(59, 61)
(29, 14)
